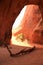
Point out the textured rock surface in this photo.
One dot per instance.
(32, 21)
(8, 13)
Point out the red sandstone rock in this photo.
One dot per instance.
(9, 11)
(31, 21)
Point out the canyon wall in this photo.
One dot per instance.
(9, 10)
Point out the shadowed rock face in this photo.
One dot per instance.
(9, 10)
(8, 13)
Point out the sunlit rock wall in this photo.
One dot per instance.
(31, 24)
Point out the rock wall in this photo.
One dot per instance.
(9, 9)
(31, 25)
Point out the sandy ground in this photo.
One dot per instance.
(33, 58)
